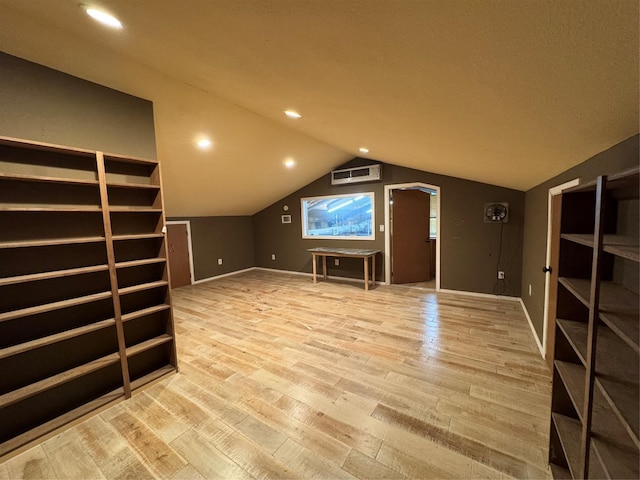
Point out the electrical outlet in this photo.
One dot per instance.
(500, 275)
(273, 256)
(219, 261)
(382, 228)
(529, 289)
(336, 261)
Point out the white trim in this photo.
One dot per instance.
(188, 224)
(208, 279)
(481, 295)
(552, 192)
(533, 330)
(387, 232)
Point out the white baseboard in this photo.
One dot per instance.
(203, 280)
(533, 330)
(481, 295)
(306, 274)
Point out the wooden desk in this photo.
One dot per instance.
(365, 254)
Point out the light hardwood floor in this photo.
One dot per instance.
(280, 378)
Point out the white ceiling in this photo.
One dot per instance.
(505, 92)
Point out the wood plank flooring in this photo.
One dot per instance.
(281, 378)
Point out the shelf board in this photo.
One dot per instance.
(623, 401)
(138, 236)
(59, 422)
(621, 245)
(54, 208)
(142, 286)
(134, 209)
(47, 307)
(625, 179)
(50, 242)
(148, 344)
(573, 377)
(625, 325)
(58, 337)
(145, 311)
(560, 473)
(53, 274)
(569, 431)
(141, 186)
(615, 461)
(51, 382)
(576, 333)
(152, 377)
(46, 179)
(142, 261)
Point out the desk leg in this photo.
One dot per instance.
(324, 267)
(366, 273)
(373, 271)
(313, 255)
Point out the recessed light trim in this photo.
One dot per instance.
(103, 17)
(289, 163)
(292, 114)
(363, 150)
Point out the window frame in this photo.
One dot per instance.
(304, 217)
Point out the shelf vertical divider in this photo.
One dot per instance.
(156, 178)
(594, 300)
(113, 275)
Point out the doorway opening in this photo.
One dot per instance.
(180, 253)
(412, 234)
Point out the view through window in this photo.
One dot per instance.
(347, 217)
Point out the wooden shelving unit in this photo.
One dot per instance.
(85, 308)
(595, 419)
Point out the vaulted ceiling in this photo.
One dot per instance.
(507, 92)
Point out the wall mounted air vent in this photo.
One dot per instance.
(369, 173)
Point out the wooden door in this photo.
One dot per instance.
(178, 242)
(410, 248)
(552, 277)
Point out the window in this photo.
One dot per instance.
(344, 217)
(433, 211)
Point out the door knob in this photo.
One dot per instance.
(546, 269)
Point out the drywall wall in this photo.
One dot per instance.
(44, 105)
(621, 156)
(229, 238)
(469, 247)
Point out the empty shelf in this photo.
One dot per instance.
(569, 431)
(148, 344)
(47, 307)
(53, 274)
(573, 377)
(142, 286)
(50, 242)
(47, 179)
(144, 312)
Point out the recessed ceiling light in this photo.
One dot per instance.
(103, 17)
(363, 150)
(289, 162)
(292, 114)
(204, 143)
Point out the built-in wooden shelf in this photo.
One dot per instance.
(45, 179)
(72, 302)
(573, 377)
(50, 382)
(140, 186)
(603, 442)
(569, 431)
(33, 277)
(143, 286)
(621, 245)
(142, 261)
(50, 242)
(137, 236)
(560, 473)
(134, 209)
(144, 312)
(60, 421)
(51, 208)
(58, 337)
(67, 300)
(148, 344)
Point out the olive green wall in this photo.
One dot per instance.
(41, 104)
(469, 247)
(229, 238)
(619, 157)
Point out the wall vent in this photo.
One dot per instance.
(369, 173)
